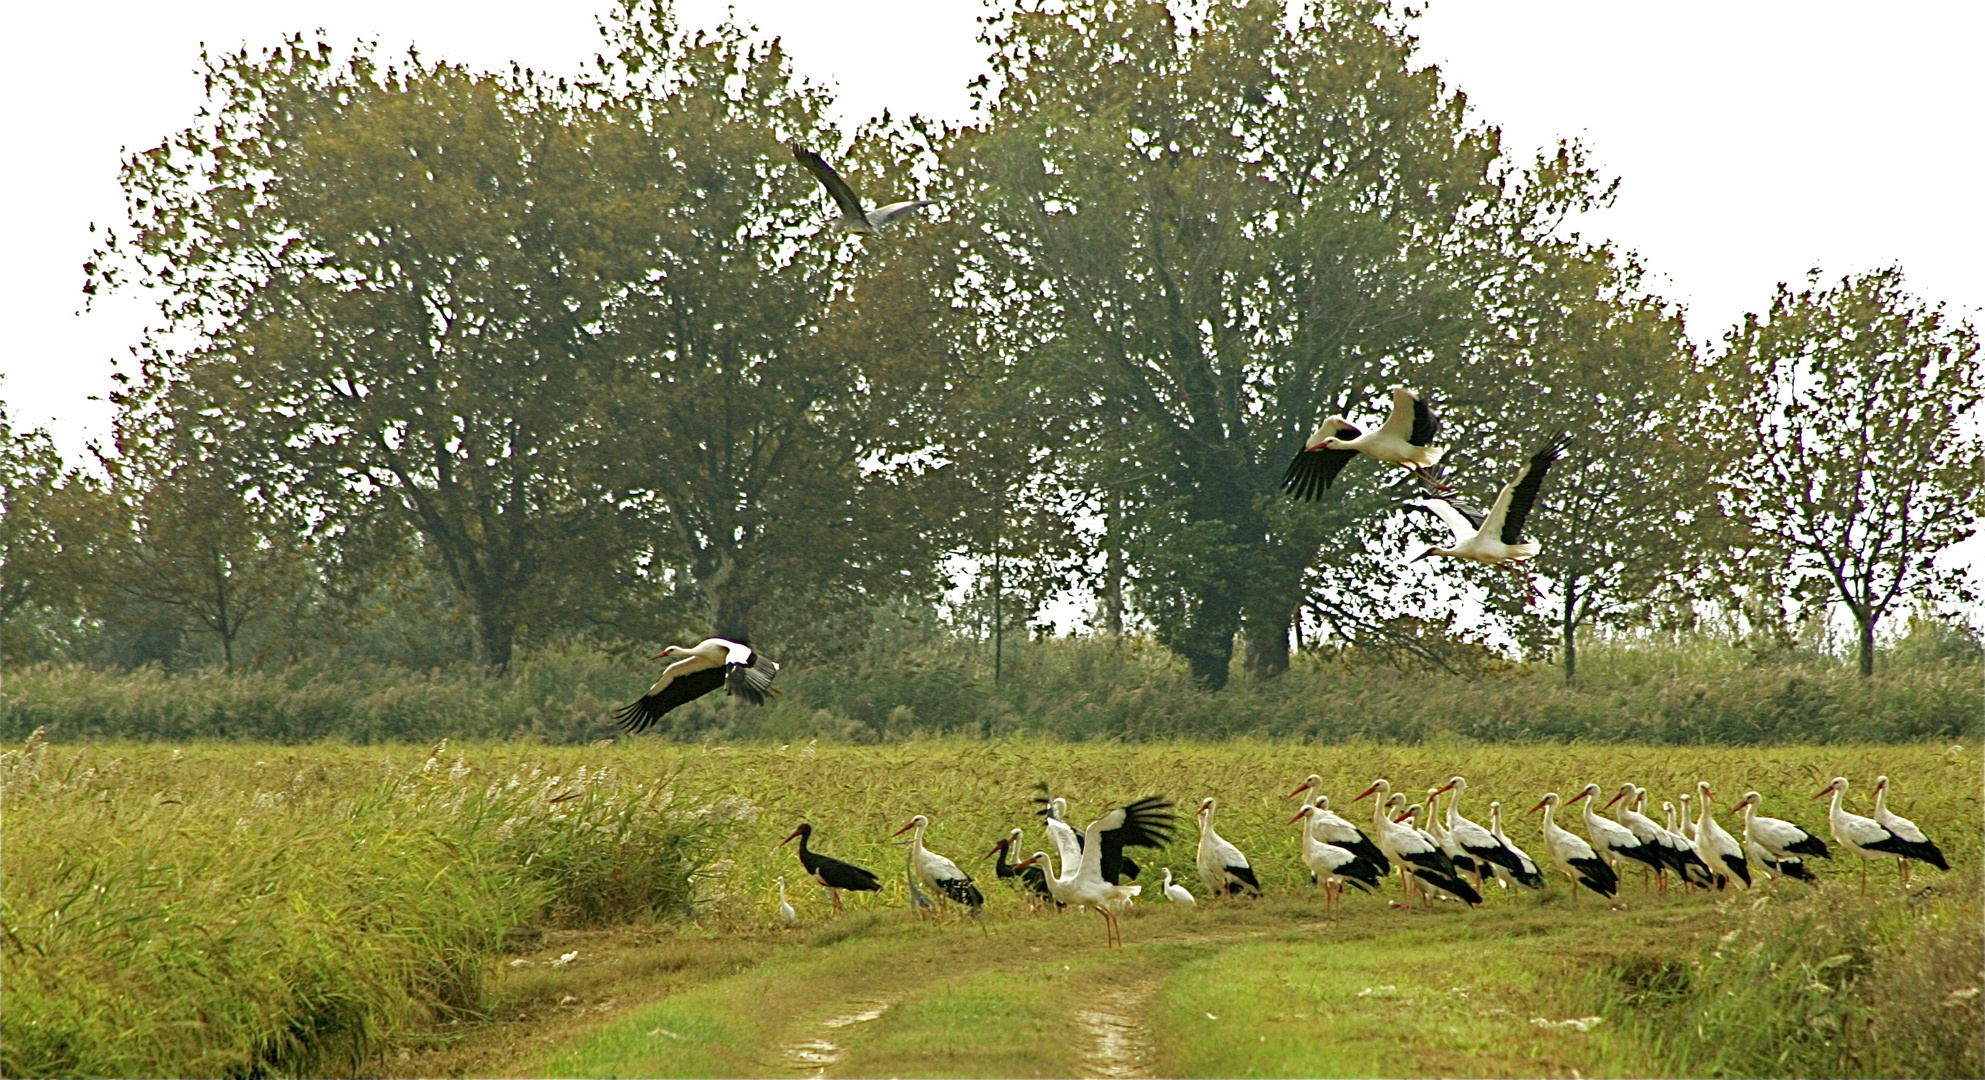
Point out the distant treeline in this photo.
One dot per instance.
(1076, 690)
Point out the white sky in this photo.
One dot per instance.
(1754, 139)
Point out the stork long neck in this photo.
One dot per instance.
(1550, 810)
(1833, 808)
(1881, 801)
(1702, 824)
(1454, 805)
(1381, 799)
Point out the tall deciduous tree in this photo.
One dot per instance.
(1221, 234)
(1860, 451)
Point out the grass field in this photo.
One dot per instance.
(216, 908)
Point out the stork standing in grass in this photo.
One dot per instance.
(1674, 852)
(1330, 866)
(1332, 828)
(1094, 880)
(832, 874)
(1524, 870)
(1030, 878)
(1716, 847)
(1918, 846)
(1436, 886)
(1613, 840)
(1406, 438)
(1870, 838)
(1175, 892)
(1777, 844)
(1412, 851)
(853, 218)
(1574, 855)
(937, 873)
(1221, 865)
(1479, 844)
(711, 663)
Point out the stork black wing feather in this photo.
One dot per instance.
(750, 681)
(843, 195)
(1527, 486)
(1426, 426)
(1148, 822)
(642, 714)
(1314, 470)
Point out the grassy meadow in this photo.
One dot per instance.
(225, 908)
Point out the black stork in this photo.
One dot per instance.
(711, 663)
(831, 872)
(1031, 878)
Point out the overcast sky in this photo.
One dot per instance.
(1754, 140)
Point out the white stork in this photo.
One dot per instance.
(1614, 840)
(1688, 829)
(1525, 869)
(1673, 850)
(1331, 828)
(853, 218)
(1780, 846)
(1413, 852)
(711, 663)
(1434, 886)
(1176, 893)
(937, 873)
(1716, 847)
(1574, 855)
(1918, 846)
(1092, 881)
(1068, 842)
(1864, 836)
(1221, 865)
(1496, 538)
(787, 916)
(1406, 438)
(1478, 843)
(1463, 862)
(1331, 866)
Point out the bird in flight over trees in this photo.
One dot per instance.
(853, 218)
(1496, 538)
(1406, 438)
(711, 663)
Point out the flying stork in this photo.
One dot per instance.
(1221, 865)
(853, 218)
(830, 872)
(937, 873)
(1406, 438)
(1716, 847)
(1413, 852)
(1092, 881)
(1869, 838)
(1574, 855)
(711, 663)
(1496, 538)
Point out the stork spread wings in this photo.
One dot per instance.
(1148, 822)
(1312, 471)
(1520, 496)
(837, 188)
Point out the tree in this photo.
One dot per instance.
(43, 545)
(1855, 407)
(1208, 239)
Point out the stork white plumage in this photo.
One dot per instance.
(787, 916)
(1613, 840)
(1573, 855)
(1679, 855)
(1464, 863)
(1716, 847)
(1496, 538)
(1330, 866)
(853, 218)
(1688, 829)
(1525, 870)
(1912, 843)
(1412, 851)
(1864, 836)
(1435, 886)
(697, 670)
(1406, 438)
(1176, 893)
(1331, 828)
(1479, 843)
(1781, 846)
(937, 873)
(1092, 882)
(1221, 865)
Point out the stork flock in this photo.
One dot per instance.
(1439, 854)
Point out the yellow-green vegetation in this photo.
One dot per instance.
(1695, 690)
(216, 908)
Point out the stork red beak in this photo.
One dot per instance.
(789, 839)
(1029, 861)
(1443, 791)
(1539, 806)
(1577, 797)
(1297, 792)
(1708, 794)
(1366, 792)
(1614, 799)
(996, 849)
(1824, 792)
(903, 830)
(1300, 815)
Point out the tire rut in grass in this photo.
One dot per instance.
(1120, 1046)
(814, 1056)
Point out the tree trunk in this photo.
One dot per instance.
(495, 634)
(1867, 642)
(1267, 647)
(1570, 637)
